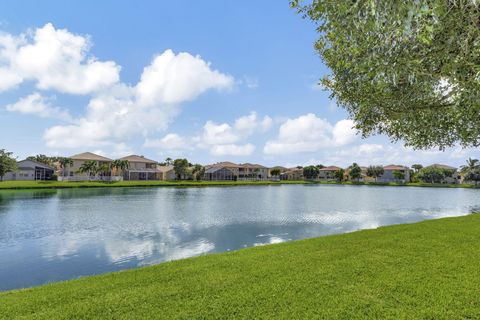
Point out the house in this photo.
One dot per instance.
(328, 173)
(141, 168)
(232, 171)
(292, 174)
(166, 172)
(71, 173)
(389, 175)
(217, 173)
(454, 178)
(30, 170)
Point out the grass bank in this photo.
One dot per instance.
(425, 270)
(87, 184)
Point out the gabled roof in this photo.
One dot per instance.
(215, 169)
(31, 164)
(164, 168)
(394, 167)
(89, 156)
(331, 168)
(135, 158)
(442, 166)
(228, 164)
(252, 165)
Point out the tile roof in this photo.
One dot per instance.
(330, 168)
(164, 168)
(135, 158)
(24, 164)
(394, 167)
(89, 156)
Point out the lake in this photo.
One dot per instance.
(54, 235)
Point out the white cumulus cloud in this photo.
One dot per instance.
(309, 133)
(54, 59)
(124, 111)
(39, 105)
(233, 150)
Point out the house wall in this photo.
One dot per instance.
(326, 175)
(389, 177)
(73, 170)
(20, 175)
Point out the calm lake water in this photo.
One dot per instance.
(54, 235)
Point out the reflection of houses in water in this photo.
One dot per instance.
(8, 197)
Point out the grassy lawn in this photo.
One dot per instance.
(87, 184)
(427, 270)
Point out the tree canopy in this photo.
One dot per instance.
(408, 69)
(7, 163)
(311, 172)
(355, 172)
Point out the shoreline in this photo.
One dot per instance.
(395, 265)
(31, 185)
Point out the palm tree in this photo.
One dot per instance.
(471, 170)
(121, 165)
(64, 162)
(90, 167)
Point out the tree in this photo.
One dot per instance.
(7, 163)
(339, 175)
(417, 167)
(168, 161)
(42, 159)
(104, 169)
(120, 165)
(180, 166)
(355, 172)
(471, 170)
(408, 69)
(90, 167)
(198, 172)
(311, 172)
(432, 174)
(275, 172)
(64, 163)
(398, 175)
(375, 171)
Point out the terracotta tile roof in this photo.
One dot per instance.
(135, 158)
(330, 168)
(394, 167)
(89, 156)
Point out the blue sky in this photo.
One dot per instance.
(206, 80)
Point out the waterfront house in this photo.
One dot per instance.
(328, 173)
(232, 171)
(166, 172)
(389, 174)
(141, 168)
(30, 170)
(71, 173)
(292, 174)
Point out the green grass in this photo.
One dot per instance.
(87, 184)
(427, 270)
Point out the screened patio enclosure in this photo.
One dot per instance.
(217, 174)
